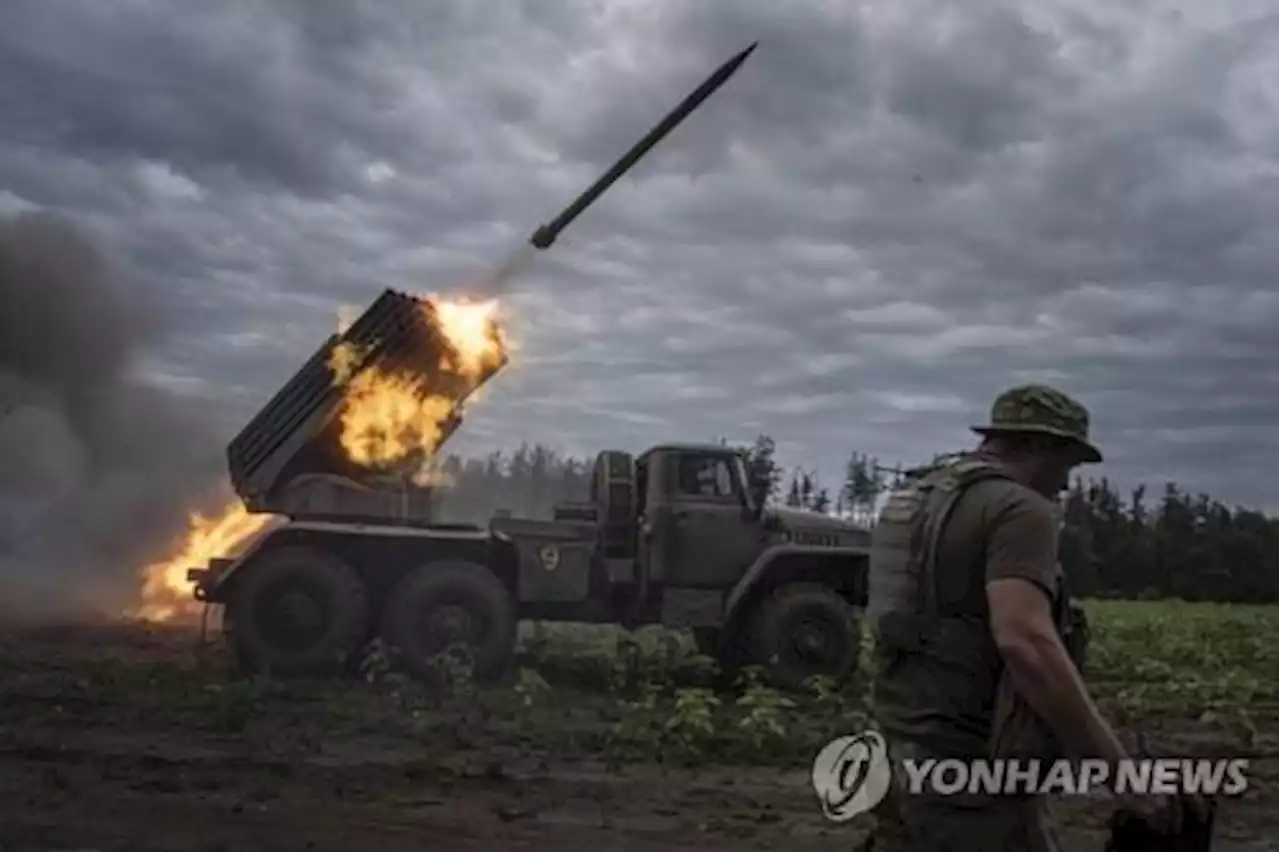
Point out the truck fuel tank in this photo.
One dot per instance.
(554, 558)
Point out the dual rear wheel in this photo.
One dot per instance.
(300, 611)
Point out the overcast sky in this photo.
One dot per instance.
(893, 210)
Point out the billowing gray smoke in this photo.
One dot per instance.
(96, 467)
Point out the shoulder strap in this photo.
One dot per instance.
(942, 491)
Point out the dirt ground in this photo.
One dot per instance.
(115, 738)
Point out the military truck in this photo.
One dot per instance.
(677, 535)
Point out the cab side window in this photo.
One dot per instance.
(705, 477)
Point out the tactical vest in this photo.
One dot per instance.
(931, 683)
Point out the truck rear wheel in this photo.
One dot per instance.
(297, 611)
(444, 603)
(803, 630)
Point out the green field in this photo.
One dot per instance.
(1154, 664)
(1215, 663)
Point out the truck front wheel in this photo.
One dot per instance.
(296, 611)
(451, 603)
(802, 630)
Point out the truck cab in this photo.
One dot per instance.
(687, 540)
(703, 523)
(699, 524)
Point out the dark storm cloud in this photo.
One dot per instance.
(893, 211)
(226, 94)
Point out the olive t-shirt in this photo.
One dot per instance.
(943, 696)
(998, 529)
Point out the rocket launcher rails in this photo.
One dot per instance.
(296, 435)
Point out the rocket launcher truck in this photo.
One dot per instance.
(678, 535)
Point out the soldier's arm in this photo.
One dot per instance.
(1021, 572)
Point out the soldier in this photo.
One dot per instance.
(967, 601)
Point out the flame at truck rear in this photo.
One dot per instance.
(166, 594)
(389, 396)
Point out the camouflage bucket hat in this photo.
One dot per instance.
(1043, 410)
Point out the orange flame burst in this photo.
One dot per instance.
(387, 420)
(472, 329)
(166, 594)
(393, 419)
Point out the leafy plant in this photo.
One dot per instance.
(691, 725)
(639, 729)
(764, 711)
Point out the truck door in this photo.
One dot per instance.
(705, 536)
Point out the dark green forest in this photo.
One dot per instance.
(1147, 543)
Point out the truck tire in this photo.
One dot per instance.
(297, 611)
(801, 630)
(446, 602)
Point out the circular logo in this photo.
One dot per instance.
(851, 775)
(549, 555)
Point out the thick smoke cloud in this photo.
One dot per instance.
(97, 469)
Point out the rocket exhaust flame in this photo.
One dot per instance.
(166, 594)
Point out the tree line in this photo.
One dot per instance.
(1114, 545)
